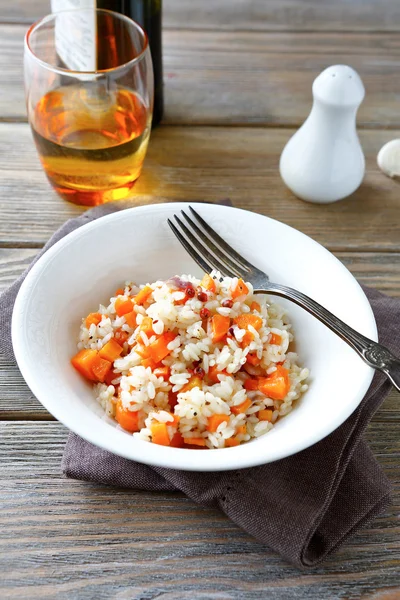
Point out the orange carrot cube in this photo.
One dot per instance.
(143, 295)
(208, 283)
(83, 362)
(100, 368)
(93, 318)
(123, 306)
(241, 289)
(215, 421)
(126, 418)
(219, 327)
(231, 442)
(265, 414)
(130, 319)
(159, 434)
(158, 350)
(275, 386)
(241, 408)
(111, 350)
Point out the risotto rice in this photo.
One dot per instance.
(190, 363)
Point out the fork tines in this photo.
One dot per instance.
(206, 247)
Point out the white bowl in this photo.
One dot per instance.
(85, 267)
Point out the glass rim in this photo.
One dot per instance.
(72, 72)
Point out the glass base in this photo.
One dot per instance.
(94, 197)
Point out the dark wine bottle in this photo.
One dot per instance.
(148, 13)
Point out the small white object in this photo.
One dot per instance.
(323, 162)
(389, 158)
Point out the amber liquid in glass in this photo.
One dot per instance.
(91, 142)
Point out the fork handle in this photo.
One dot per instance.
(375, 355)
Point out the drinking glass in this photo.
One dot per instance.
(89, 96)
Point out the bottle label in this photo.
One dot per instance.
(75, 34)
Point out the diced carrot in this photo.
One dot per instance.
(215, 421)
(241, 289)
(83, 362)
(275, 339)
(147, 325)
(255, 306)
(177, 440)
(195, 441)
(121, 336)
(163, 372)
(120, 292)
(247, 339)
(241, 408)
(126, 418)
(251, 384)
(242, 430)
(159, 434)
(130, 319)
(123, 306)
(253, 359)
(230, 442)
(100, 368)
(175, 421)
(148, 362)
(110, 376)
(208, 283)
(172, 399)
(276, 385)
(213, 373)
(143, 351)
(111, 351)
(142, 296)
(93, 318)
(159, 348)
(182, 300)
(219, 327)
(192, 383)
(265, 414)
(246, 319)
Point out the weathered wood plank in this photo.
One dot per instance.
(71, 539)
(13, 262)
(16, 399)
(208, 163)
(357, 15)
(266, 78)
(242, 78)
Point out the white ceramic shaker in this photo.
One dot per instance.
(323, 161)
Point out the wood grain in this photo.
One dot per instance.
(13, 262)
(311, 15)
(208, 163)
(76, 540)
(244, 78)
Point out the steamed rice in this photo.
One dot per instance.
(219, 371)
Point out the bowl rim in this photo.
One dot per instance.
(175, 458)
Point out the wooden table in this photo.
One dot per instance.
(238, 77)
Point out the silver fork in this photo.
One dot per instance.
(210, 252)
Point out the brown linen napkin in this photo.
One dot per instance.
(304, 506)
